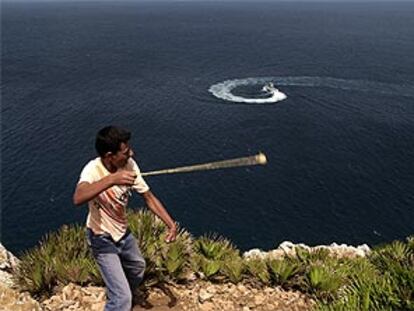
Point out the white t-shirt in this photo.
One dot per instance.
(107, 211)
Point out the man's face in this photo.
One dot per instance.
(120, 158)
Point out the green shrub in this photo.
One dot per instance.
(323, 281)
(210, 256)
(233, 269)
(383, 281)
(374, 294)
(174, 260)
(282, 270)
(61, 257)
(395, 260)
(209, 267)
(164, 261)
(215, 247)
(410, 242)
(306, 257)
(257, 268)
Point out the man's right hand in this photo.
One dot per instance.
(123, 178)
(86, 191)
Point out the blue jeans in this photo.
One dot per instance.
(122, 267)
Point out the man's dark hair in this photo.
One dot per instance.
(109, 139)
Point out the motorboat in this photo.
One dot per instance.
(270, 88)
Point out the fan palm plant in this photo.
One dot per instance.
(164, 261)
(210, 253)
(282, 270)
(258, 269)
(60, 257)
(233, 269)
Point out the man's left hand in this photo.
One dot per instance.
(171, 234)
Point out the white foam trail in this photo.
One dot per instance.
(223, 90)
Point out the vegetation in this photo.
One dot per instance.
(164, 261)
(382, 281)
(215, 258)
(61, 257)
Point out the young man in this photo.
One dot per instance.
(106, 183)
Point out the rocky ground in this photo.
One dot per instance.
(197, 295)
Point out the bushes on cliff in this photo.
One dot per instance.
(64, 256)
(61, 257)
(216, 258)
(164, 261)
(382, 281)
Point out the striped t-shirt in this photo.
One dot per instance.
(107, 211)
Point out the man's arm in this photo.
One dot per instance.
(85, 191)
(158, 209)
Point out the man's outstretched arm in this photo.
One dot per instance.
(158, 209)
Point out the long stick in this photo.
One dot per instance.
(258, 159)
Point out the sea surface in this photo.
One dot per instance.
(340, 146)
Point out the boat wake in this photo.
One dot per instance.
(224, 90)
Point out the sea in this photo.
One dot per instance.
(186, 78)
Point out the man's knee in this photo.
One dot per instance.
(142, 264)
(135, 273)
(138, 269)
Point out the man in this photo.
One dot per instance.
(106, 183)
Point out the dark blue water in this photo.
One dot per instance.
(340, 147)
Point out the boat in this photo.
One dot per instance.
(270, 88)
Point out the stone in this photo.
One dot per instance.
(254, 253)
(8, 264)
(259, 299)
(6, 279)
(276, 254)
(204, 295)
(211, 289)
(8, 261)
(208, 306)
(16, 301)
(288, 248)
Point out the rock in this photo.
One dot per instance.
(211, 289)
(254, 254)
(190, 276)
(288, 248)
(208, 306)
(276, 254)
(6, 279)
(76, 298)
(364, 248)
(13, 300)
(8, 265)
(242, 290)
(8, 262)
(204, 295)
(259, 299)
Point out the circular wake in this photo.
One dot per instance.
(223, 90)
